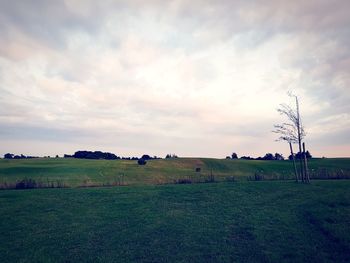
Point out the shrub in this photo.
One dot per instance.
(26, 184)
(268, 156)
(8, 156)
(171, 156)
(146, 157)
(141, 161)
(279, 157)
(247, 158)
(183, 181)
(300, 155)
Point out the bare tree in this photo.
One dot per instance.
(293, 132)
(287, 134)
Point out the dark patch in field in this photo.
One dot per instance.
(318, 225)
(247, 246)
(337, 250)
(288, 256)
(330, 220)
(339, 203)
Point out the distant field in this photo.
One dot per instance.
(79, 172)
(269, 221)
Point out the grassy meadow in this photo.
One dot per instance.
(151, 219)
(79, 172)
(268, 221)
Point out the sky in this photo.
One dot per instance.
(194, 78)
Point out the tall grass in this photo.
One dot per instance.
(29, 183)
(315, 174)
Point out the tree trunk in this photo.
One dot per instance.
(302, 174)
(295, 166)
(307, 176)
(299, 142)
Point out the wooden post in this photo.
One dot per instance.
(295, 167)
(307, 176)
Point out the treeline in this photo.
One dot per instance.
(96, 155)
(106, 156)
(21, 156)
(271, 157)
(92, 155)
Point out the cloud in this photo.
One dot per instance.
(200, 78)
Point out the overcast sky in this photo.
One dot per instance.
(195, 78)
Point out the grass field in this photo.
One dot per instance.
(150, 219)
(79, 172)
(269, 221)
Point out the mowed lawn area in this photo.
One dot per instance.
(268, 221)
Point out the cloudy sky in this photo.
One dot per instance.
(195, 78)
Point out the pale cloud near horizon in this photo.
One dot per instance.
(157, 77)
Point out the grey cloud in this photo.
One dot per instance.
(335, 138)
(45, 22)
(51, 18)
(96, 84)
(30, 132)
(253, 129)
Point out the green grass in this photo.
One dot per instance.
(75, 172)
(272, 221)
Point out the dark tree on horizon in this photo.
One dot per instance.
(8, 156)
